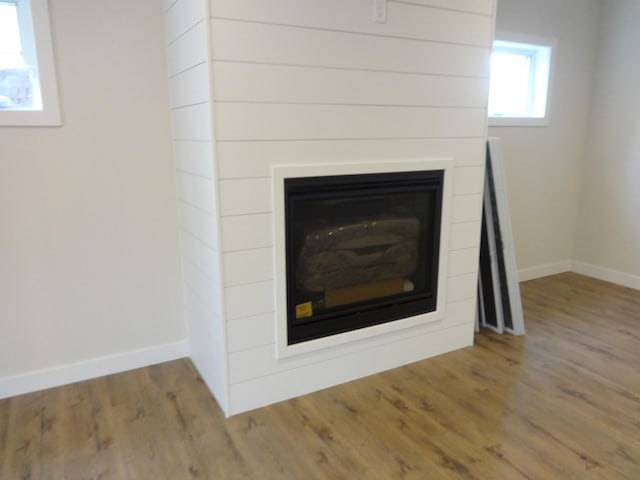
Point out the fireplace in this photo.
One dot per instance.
(361, 251)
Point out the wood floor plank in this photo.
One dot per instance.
(52, 432)
(498, 408)
(5, 411)
(139, 426)
(542, 421)
(339, 419)
(467, 418)
(22, 456)
(426, 447)
(327, 457)
(562, 402)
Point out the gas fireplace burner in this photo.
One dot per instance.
(361, 250)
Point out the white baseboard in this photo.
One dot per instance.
(96, 367)
(540, 271)
(595, 271)
(607, 274)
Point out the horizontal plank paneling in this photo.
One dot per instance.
(297, 381)
(248, 300)
(403, 19)
(249, 121)
(183, 16)
(207, 354)
(206, 288)
(317, 82)
(262, 43)
(251, 332)
(485, 7)
(247, 231)
(290, 84)
(199, 223)
(196, 191)
(189, 95)
(462, 311)
(194, 157)
(258, 331)
(466, 208)
(248, 266)
(188, 50)
(199, 255)
(464, 235)
(260, 360)
(254, 195)
(207, 342)
(203, 310)
(244, 196)
(190, 86)
(192, 123)
(255, 159)
(468, 180)
(462, 287)
(462, 261)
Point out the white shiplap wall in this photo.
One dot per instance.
(311, 82)
(302, 82)
(189, 66)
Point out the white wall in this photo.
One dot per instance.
(319, 82)
(89, 267)
(607, 242)
(544, 164)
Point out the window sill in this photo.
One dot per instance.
(30, 118)
(518, 122)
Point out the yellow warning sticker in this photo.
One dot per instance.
(304, 310)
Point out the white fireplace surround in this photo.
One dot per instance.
(282, 172)
(258, 93)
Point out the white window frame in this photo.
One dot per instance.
(50, 113)
(504, 42)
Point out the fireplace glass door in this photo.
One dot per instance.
(361, 250)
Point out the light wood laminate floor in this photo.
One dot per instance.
(563, 402)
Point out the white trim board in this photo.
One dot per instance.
(96, 367)
(545, 270)
(606, 274)
(590, 270)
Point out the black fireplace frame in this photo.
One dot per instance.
(379, 311)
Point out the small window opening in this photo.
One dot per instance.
(19, 83)
(28, 92)
(519, 80)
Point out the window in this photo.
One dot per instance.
(28, 92)
(519, 83)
